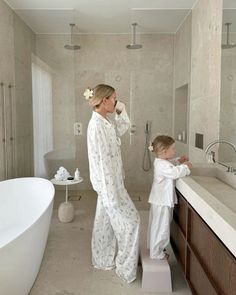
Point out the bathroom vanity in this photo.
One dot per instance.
(203, 231)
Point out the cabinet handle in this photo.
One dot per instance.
(12, 128)
(4, 129)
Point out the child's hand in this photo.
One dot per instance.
(190, 166)
(183, 159)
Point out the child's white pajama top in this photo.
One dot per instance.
(162, 199)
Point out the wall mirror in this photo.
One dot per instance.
(228, 82)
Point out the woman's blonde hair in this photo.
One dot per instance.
(161, 143)
(99, 92)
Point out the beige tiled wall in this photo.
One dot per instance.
(183, 52)
(24, 46)
(203, 29)
(17, 43)
(182, 77)
(143, 79)
(205, 74)
(228, 102)
(50, 49)
(6, 71)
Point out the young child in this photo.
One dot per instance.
(162, 196)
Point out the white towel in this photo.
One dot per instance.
(62, 174)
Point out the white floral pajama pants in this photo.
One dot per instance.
(115, 238)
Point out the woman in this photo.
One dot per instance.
(115, 235)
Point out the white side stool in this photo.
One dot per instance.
(156, 275)
(66, 209)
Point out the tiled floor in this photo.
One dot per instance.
(66, 268)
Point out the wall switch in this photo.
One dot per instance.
(78, 128)
(133, 129)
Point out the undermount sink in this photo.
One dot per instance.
(211, 192)
(206, 170)
(220, 184)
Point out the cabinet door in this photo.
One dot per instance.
(218, 263)
(178, 243)
(180, 212)
(196, 277)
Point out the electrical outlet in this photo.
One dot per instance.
(78, 128)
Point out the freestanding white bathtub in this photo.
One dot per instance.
(25, 213)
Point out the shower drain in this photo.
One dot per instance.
(136, 198)
(74, 197)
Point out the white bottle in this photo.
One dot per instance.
(76, 176)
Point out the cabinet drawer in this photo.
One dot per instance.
(180, 212)
(218, 263)
(178, 243)
(197, 278)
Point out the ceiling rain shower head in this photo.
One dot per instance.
(71, 46)
(228, 45)
(133, 45)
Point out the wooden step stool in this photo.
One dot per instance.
(156, 273)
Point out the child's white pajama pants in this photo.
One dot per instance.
(158, 236)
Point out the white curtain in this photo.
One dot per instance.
(42, 117)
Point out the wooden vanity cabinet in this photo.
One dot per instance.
(178, 230)
(178, 243)
(209, 267)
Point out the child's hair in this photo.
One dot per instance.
(161, 143)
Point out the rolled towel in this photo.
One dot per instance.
(58, 177)
(62, 174)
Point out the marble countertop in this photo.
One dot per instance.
(215, 202)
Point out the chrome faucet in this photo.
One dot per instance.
(229, 168)
(219, 141)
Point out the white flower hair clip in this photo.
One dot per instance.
(88, 93)
(150, 147)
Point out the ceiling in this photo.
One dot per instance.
(104, 16)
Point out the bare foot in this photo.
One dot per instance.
(166, 257)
